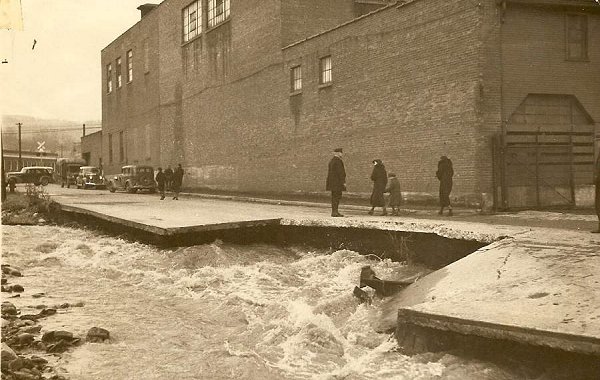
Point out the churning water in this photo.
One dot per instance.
(216, 311)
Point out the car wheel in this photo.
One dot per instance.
(44, 181)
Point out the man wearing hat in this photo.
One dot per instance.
(336, 181)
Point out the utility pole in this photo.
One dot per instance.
(83, 129)
(20, 161)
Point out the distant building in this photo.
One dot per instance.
(11, 159)
(252, 95)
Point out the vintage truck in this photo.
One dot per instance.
(133, 178)
(38, 175)
(67, 170)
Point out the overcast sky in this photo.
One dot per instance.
(60, 77)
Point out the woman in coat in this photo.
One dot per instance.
(444, 174)
(379, 178)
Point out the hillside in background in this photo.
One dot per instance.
(58, 136)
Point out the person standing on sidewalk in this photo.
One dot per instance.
(168, 178)
(380, 179)
(395, 193)
(444, 175)
(160, 180)
(177, 181)
(336, 181)
(597, 183)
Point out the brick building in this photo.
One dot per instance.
(253, 95)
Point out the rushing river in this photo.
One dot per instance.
(216, 311)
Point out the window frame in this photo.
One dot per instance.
(129, 62)
(186, 33)
(109, 84)
(119, 74)
(325, 74)
(584, 56)
(212, 18)
(296, 79)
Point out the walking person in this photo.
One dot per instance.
(161, 180)
(393, 188)
(379, 178)
(169, 177)
(177, 181)
(336, 181)
(444, 175)
(597, 185)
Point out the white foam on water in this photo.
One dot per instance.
(288, 311)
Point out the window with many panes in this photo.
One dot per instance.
(192, 20)
(325, 70)
(129, 66)
(218, 11)
(118, 68)
(577, 39)
(109, 78)
(296, 78)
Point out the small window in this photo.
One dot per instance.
(129, 66)
(119, 80)
(192, 20)
(296, 78)
(325, 69)
(109, 78)
(218, 11)
(577, 37)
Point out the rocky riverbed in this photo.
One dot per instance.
(28, 353)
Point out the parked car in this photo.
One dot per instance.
(90, 177)
(67, 170)
(133, 178)
(38, 175)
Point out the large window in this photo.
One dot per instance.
(192, 20)
(218, 11)
(119, 79)
(325, 70)
(129, 66)
(576, 38)
(296, 78)
(109, 78)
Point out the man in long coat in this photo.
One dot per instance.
(444, 174)
(597, 183)
(336, 181)
(177, 181)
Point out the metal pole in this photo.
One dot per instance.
(20, 162)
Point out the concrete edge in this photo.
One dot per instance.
(224, 226)
(113, 219)
(562, 341)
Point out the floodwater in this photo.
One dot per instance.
(216, 311)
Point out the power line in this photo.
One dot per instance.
(51, 130)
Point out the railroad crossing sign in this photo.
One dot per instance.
(41, 148)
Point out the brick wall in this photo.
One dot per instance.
(92, 145)
(405, 87)
(133, 108)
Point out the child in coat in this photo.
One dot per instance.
(393, 188)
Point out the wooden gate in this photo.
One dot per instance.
(545, 151)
